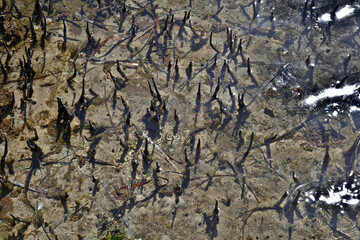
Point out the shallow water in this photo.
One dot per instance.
(220, 120)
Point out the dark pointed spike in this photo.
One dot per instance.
(36, 137)
(123, 102)
(350, 180)
(214, 96)
(169, 67)
(254, 10)
(146, 150)
(285, 195)
(60, 113)
(215, 60)
(112, 76)
(216, 209)
(158, 168)
(90, 39)
(152, 105)
(122, 144)
(30, 91)
(82, 96)
(241, 101)
(295, 178)
(158, 96)
(326, 161)
(91, 128)
(50, 8)
(164, 106)
(176, 117)
(151, 91)
(151, 44)
(99, 3)
(44, 24)
(63, 47)
(199, 91)
(37, 14)
(187, 160)
(211, 42)
(128, 117)
(307, 61)
(74, 74)
(88, 32)
(271, 16)
(198, 146)
(30, 52)
(189, 70)
(21, 68)
(166, 23)
(177, 68)
(124, 8)
(230, 92)
(33, 33)
(60, 104)
(235, 41)
(188, 15)
(249, 148)
(133, 31)
(13, 5)
(185, 16)
(240, 46)
(118, 68)
(248, 67)
(172, 19)
(240, 135)
(28, 58)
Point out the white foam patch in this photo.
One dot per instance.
(354, 109)
(346, 11)
(353, 201)
(331, 92)
(334, 197)
(337, 198)
(342, 13)
(326, 17)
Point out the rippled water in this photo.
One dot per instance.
(179, 120)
